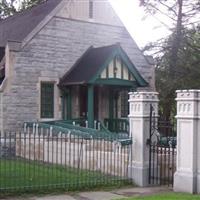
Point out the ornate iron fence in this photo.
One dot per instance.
(44, 158)
(162, 151)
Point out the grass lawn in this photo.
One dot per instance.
(167, 196)
(28, 175)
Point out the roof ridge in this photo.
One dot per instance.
(106, 46)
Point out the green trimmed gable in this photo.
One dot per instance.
(118, 70)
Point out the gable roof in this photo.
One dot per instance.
(18, 26)
(91, 63)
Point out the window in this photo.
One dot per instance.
(47, 100)
(124, 104)
(91, 6)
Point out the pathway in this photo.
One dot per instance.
(101, 195)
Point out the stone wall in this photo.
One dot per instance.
(49, 55)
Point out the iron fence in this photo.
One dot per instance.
(162, 151)
(43, 159)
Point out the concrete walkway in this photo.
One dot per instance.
(101, 195)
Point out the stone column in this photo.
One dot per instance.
(139, 119)
(185, 178)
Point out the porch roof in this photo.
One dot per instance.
(87, 68)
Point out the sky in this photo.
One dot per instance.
(142, 30)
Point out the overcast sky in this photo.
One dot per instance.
(143, 31)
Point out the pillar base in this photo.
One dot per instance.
(185, 182)
(139, 175)
(198, 183)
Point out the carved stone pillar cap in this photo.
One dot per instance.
(144, 96)
(188, 94)
(187, 91)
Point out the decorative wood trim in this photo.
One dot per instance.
(122, 70)
(115, 81)
(135, 73)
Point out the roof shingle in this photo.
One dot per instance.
(18, 26)
(89, 65)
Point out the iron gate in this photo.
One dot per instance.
(162, 150)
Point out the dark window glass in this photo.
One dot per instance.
(124, 104)
(47, 100)
(91, 7)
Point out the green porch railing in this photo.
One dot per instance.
(117, 125)
(98, 125)
(109, 125)
(77, 121)
(61, 126)
(83, 122)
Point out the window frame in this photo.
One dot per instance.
(43, 115)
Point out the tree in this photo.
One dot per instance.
(181, 13)
(187, 70)
(10, 7)
(7, 8)
(178, 54)
(30, 3)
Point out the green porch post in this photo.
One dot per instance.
(66, 104)
(91, 106)
(111, 104)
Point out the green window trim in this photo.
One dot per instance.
(47, 100)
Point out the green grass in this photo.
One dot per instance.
(26, 176)
(166, 196)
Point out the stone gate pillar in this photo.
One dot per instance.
(139, 119)
(188, 112)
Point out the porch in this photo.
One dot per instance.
(92, 107)
(96, 89)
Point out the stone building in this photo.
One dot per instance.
(67, 59)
